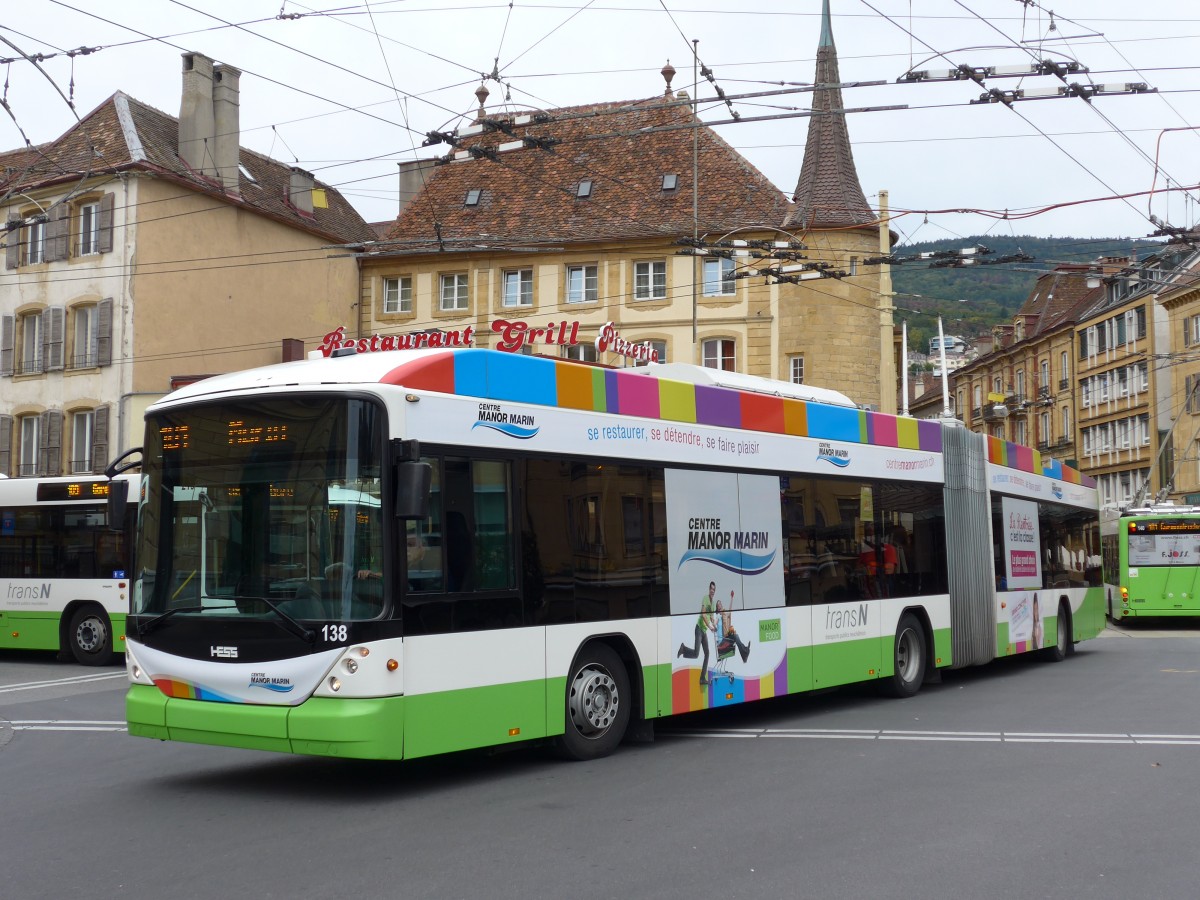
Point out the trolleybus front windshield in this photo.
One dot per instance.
(264, 510)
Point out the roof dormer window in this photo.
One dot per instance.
(670, 182)
(472, 198)
(583, 190)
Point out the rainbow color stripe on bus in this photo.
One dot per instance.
(549, 382)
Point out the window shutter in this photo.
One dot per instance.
(50, 455)
(12, 251)
(104, 317)
(58, 233)
(100, 439)
(7, 332)
(6, 430)
(54, 326)
(104, 237)
(1187, 331)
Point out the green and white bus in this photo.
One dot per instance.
(64, 575)
(1152, 562)
(395, 554)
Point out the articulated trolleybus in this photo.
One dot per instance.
(390, 555)
(64, 575)
(1152, 561)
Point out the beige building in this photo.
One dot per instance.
(1023, 389)
(1124, 384)
(1180, 298)
(142, 250)
(547, 231)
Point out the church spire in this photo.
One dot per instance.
(828, 194)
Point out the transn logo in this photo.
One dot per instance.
(223, 652)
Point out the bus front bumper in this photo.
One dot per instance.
(321, 726)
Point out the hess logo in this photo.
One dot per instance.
(223, 652)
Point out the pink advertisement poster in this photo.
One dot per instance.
(1022, 545)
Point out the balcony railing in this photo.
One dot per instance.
(1063, 383)
(29, 366)
(86, 361)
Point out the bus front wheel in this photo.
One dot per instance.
(598, 700)
(908, 670)
(90, 637)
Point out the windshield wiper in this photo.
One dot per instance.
(145, 628)
(287, 622)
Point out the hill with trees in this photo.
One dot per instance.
(972, 299)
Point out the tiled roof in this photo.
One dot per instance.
(529, 195)
(1059, 297)
(123, 133)
(828, 194)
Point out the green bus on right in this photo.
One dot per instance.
(1152, 562)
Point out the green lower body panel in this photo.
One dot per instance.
(480, 717)
(29, 631)
(848, 661)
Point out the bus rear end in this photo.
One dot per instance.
(1159, 570)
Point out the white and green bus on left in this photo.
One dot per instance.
(64, 574)
(396, 554)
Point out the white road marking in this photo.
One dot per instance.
(1009, 737)
(64, 725)
(57, 682)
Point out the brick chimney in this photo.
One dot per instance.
(413, 175)
(196, 125)
(300, 190)
(227, 125)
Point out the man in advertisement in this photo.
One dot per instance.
(704, 623)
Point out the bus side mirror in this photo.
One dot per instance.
(413, 480)
(118, 504)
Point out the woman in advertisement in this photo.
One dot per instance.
(1038, 635)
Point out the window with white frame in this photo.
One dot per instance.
(718, 277)
(518, 287)
(1062, 366)
(1019, 432)
(650, 280)
(30, 362)
(718, 353)
(1122, 382)
(31, 434)
(1045, 376)
(1020, 382)
(85, 338)
(997, 385)
(796, 367)
(82, 427)
(397, 294)
(1143, 429)
(1045, 439)
(1123, 433)
(583, 285)
(581, 352)
(454, 293)
(1144, 376)
(1066, 422)
(1192, 330)
(89, 229)
(1086, 399)
(35, 243)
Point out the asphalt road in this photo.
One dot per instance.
(1017, 780)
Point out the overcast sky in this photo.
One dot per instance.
(347, 89)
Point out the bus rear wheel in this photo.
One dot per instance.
(908, 670)
(1062, 646)
(90, 637)
(598, 700)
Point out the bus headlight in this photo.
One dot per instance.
(352, 666)
(335, 683)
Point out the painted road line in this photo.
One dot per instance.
(994, 737)
(64, 725)
(61, 682)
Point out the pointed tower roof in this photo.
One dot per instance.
(828, 194)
